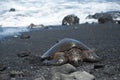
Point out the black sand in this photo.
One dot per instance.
(104, 37)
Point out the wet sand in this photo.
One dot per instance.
(103, 37)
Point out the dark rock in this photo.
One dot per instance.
(102, 17)
(24, 54)
(105, 19)
(96, 66)
(12, 10)
(70, 20)
(25, 37)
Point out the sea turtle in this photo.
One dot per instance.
(69, 50)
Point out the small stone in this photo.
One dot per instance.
(24, 54)
(25, 37)
(96, 66)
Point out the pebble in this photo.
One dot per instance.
(25, 37)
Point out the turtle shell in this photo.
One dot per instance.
(64, 45)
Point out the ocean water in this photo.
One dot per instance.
(50, 12)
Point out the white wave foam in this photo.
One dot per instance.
(50, 12)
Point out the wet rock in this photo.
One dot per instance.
(32, 25)
(24, 54)
(12, 10)
(102, 17)
(2, 67)
(67, 68)
(25, 37)
(105, 19)
(96, 66)
(70, 20)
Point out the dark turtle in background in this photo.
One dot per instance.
(68, 51)
(70, 20)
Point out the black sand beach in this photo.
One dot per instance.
(103, 37)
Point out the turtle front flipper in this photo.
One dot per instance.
(53, 62)
(57, 58)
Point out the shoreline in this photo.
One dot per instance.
(103, 37)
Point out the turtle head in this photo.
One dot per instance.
(90, 56)
(74, 56)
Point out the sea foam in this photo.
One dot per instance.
(50, 12)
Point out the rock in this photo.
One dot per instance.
(96, 66)
(24, 54)
(82, 75)
(66, 68)
(70, 20)
(56, 76)
(102, 17)
(73, 76)
(25, 37)
(105, 19)
(67, 77)
(2, 67)
(12, 10)
(31, 26)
